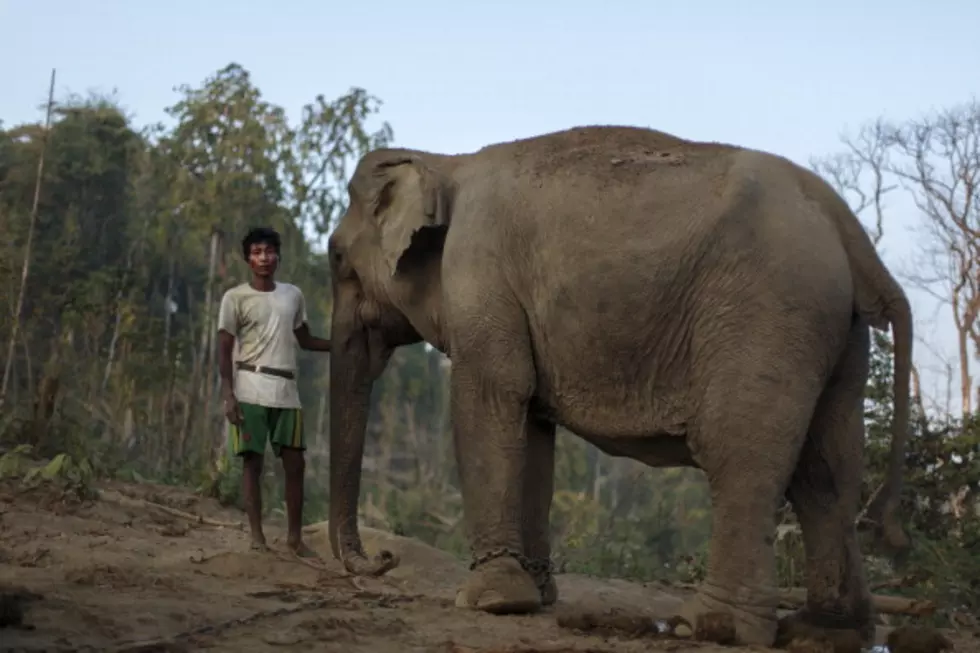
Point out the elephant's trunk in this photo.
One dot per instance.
(350, 390)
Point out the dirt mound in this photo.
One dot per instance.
(250, 565)
(155, 568)
(423, 568)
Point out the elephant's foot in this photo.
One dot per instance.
(827, 632)
(541, 570)
(347, 548)
(360, 565)
(708, 619)
(501, 585)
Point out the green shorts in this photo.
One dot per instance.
(282, 427)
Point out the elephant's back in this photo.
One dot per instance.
(646, 217)
(603, 156)
(631, 192)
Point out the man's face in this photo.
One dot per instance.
(263, 259)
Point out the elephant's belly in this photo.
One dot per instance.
(613, 399)
(655, 450)
(610, 365)
(636, 421)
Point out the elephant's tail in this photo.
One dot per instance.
(884, 506)
(879, 299)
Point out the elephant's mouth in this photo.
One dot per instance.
(369, 313)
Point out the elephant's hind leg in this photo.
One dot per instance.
(539, 486)
(825, 492)
(755, 413)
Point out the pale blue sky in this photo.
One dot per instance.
(454, 77)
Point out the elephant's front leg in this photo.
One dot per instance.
(539, 487)
(492, 383)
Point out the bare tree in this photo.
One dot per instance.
(859, 173)
(937, 159)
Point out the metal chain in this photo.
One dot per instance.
(493, 554)
(541, 569)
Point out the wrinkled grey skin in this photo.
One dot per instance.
(680, 303)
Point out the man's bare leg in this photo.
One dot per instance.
(294, 466)
(252, 491)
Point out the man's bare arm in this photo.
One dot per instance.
(310, 342)
(226, 345)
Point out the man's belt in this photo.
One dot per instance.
(261, 369)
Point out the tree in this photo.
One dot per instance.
(28, 250)
(937, 159)
(81, 236)
(136, 239)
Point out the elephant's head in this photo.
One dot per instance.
(384, 256)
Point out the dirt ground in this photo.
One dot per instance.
(119, 574)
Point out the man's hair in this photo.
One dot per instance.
(260, 235)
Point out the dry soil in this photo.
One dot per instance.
(121, 574)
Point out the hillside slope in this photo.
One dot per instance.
(123, 573)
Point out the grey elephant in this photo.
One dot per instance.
(677, 302)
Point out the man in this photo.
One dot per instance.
(261, 398)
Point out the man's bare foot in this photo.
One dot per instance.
(300, 549)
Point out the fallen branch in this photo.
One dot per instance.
(160, 644)
(794, 597)
(315, 602)
(121, 500)
(791, 598)
(549, 648)
(893, 583)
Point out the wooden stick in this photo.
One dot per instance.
(794, 597)
(791, 598)
(119, 499)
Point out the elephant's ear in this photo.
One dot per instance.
(412, 207)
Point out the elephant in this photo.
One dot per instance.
(681, 303)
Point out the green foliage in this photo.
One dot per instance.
(942, 486)
(71, 476)
(117, 331)
(941, 499)
(16, 462)
(616, 517)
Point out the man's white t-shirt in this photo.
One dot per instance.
(263, 325)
